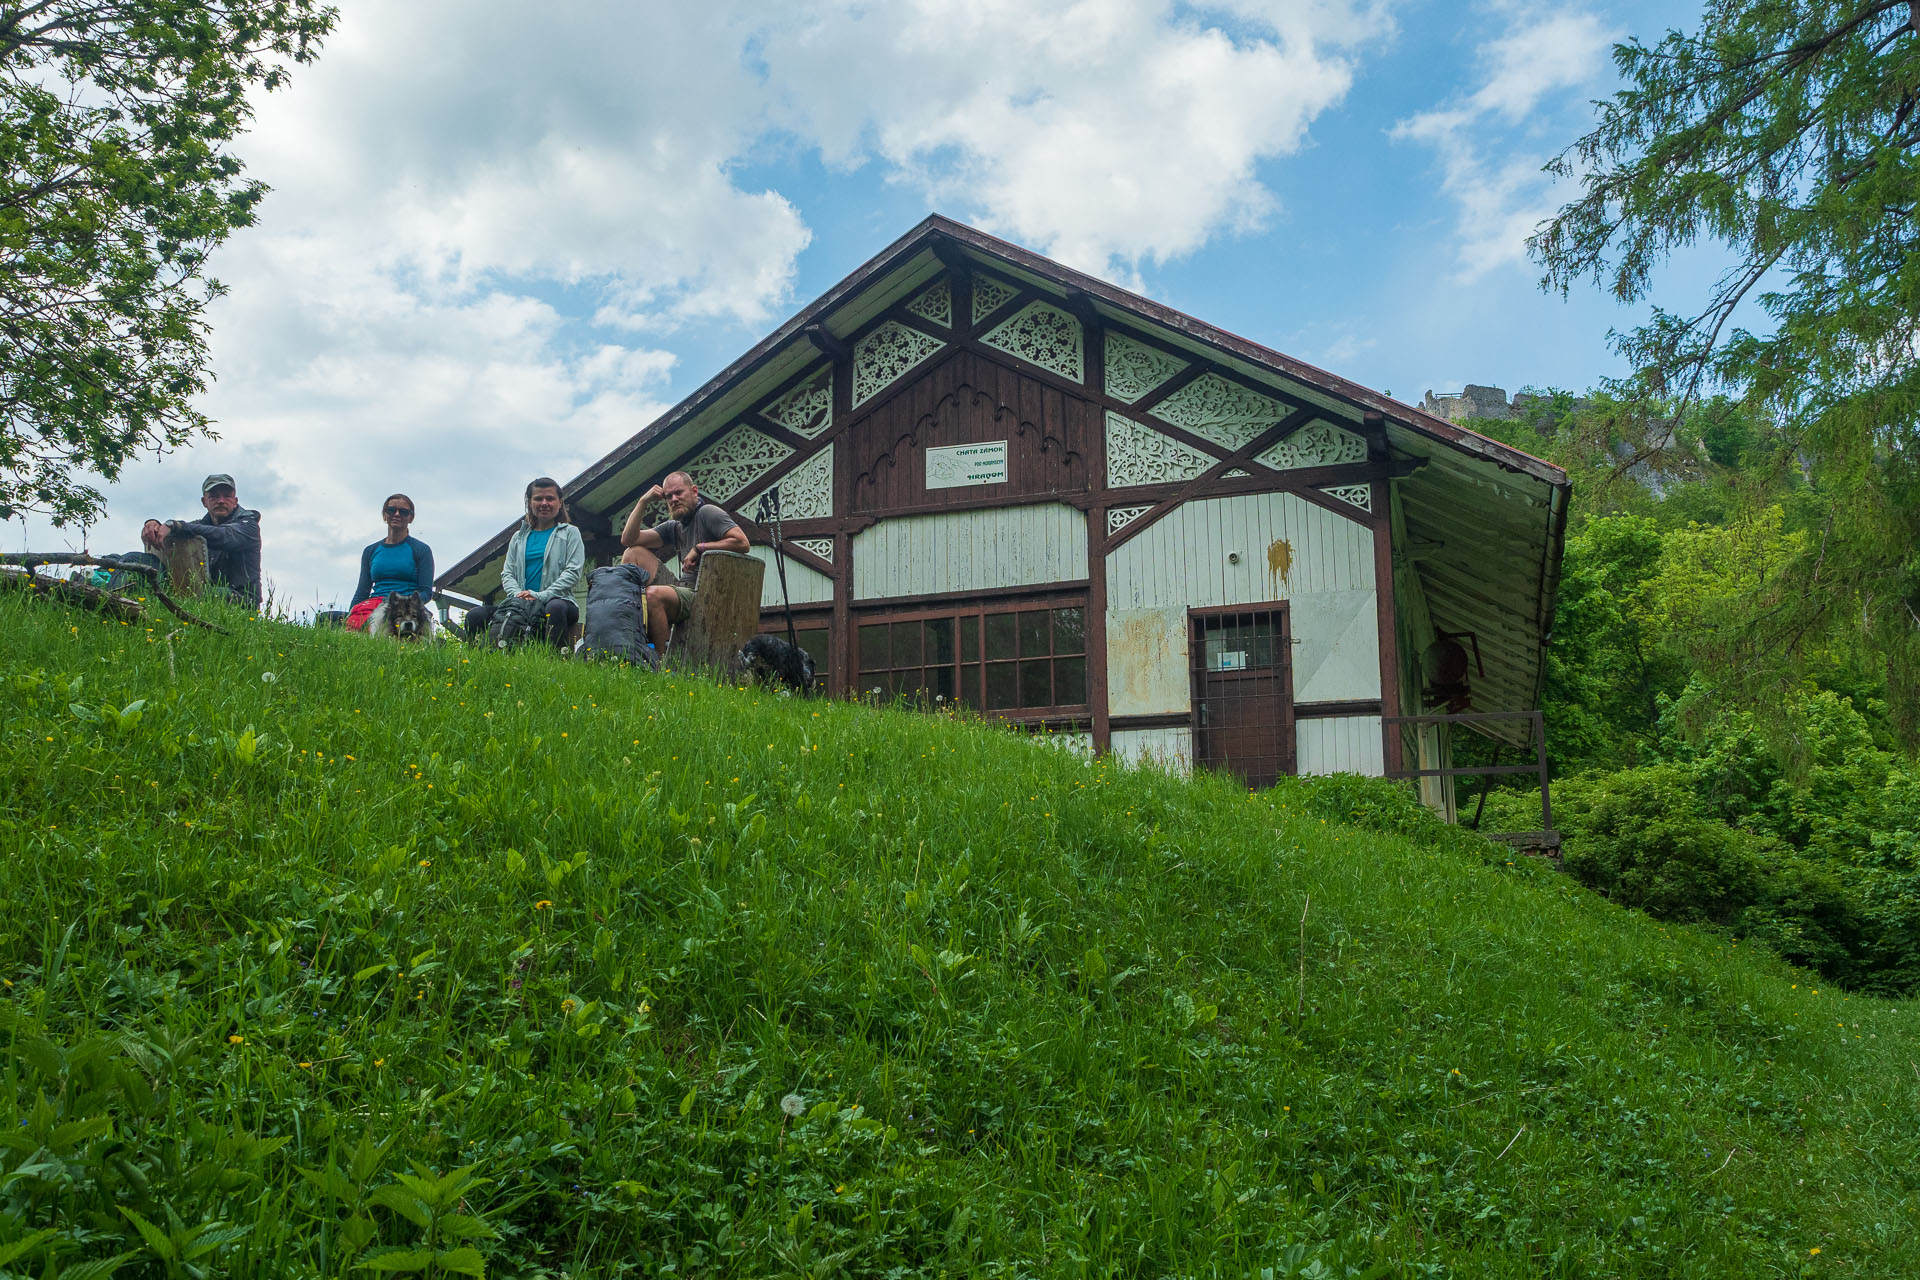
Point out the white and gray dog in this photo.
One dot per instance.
(404, 617)
(769, 660)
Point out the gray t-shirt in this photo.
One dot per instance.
(708, 524)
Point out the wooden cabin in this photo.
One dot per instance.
(1012, 486)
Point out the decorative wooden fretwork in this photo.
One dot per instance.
(886, 353)
(807, 410)
(1134, 369)
(936, 304)
(1119, 518)
(1360, 495)
(806, 492)
(822, 547)
(989, 295)
(1220, 410)
(1236, 474)
(734, 461)
(1318, 444)
(1138, 454)
(1042, 335)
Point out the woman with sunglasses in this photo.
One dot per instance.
(398, 562)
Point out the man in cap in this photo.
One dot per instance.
(232, 535)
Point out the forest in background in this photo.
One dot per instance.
(1730, 721)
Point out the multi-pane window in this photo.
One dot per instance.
(1018, 660)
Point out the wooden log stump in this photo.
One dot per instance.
(725, 614)
(87, 597)
(185, 556)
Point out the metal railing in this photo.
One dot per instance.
(1546, 836)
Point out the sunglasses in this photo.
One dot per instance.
(396, 511)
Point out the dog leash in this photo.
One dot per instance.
(767, 513)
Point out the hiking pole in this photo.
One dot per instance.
(767, 512)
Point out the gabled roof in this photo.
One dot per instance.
(1475, 505)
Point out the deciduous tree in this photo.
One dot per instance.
(116, 181)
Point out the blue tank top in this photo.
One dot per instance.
(536, 557)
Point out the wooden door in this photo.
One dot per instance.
(1241, 660)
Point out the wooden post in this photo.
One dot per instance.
(726, 611)
(185, 556)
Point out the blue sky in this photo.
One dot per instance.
(498, 245)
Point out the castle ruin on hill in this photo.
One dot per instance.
(1476, 401)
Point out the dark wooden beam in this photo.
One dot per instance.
(826, 343)
(803, 445)
(591, 524)
(761, 536)
(951, 255)
(1191, 373)
(1388, 620)
(1238, 458)
(1098, 693)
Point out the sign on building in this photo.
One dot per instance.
(964, 464)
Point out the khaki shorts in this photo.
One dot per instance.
(683, 599)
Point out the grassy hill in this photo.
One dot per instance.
(322, 953)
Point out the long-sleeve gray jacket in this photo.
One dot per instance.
(560, 571)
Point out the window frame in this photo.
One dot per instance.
(978, 609)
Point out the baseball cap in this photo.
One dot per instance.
(214, 481)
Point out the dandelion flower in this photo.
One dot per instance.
(793, 1104)
(426, 862)
(543, 904)
(566, 1006)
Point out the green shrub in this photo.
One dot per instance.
(1381, 805)
(1643, 838)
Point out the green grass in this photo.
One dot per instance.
(586, 972)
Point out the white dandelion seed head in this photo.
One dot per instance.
(793, 1104)
(267, 677)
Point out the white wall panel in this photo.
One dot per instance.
(1336, 656)
(969, 551)
(804, 585)
(1167, 748)
(1342, 744)
(1220, 551)
(1147, 661)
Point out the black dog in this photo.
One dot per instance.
(771, 660)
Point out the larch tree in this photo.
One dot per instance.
(1786, 133)
(116, 182)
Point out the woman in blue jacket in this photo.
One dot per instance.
(398, 562)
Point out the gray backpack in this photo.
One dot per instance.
(617, 616)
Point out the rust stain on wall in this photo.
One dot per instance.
(1145, 664)
(1279, 559)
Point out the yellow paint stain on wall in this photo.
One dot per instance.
(1279, 559)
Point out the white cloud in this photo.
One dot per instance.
(1106, 133)
(1493, 176)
